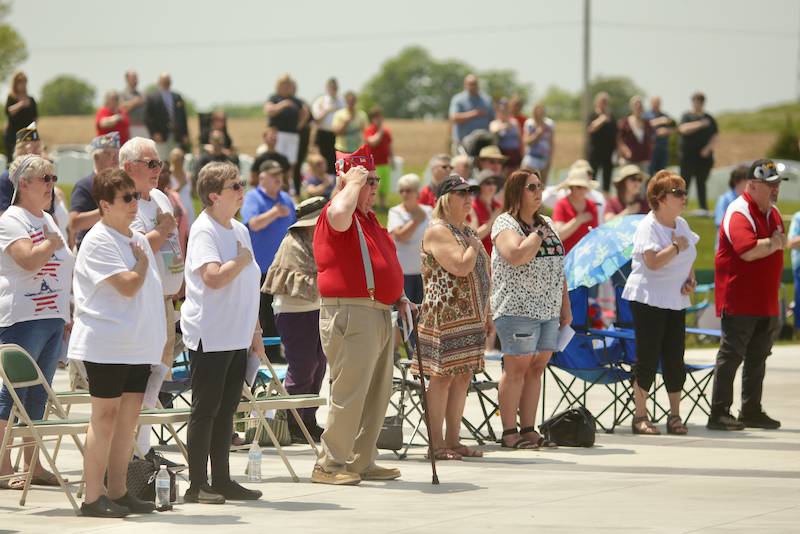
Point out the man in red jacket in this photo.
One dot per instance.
(747, 278)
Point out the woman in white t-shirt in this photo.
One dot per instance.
(406, 224)
(35, 277)
(118, 334)
(658, 287)
(219, 321)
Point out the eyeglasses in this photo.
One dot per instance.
(534, 187)
(151, 163)
(448, 167)
(680, 193)
(373, 181)
(236, 186)
(47, 178)
(127, 198)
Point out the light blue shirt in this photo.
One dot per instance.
(723, 202)
(267, 240)
(794, 231)
(462, 102)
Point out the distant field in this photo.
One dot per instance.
(415, 141)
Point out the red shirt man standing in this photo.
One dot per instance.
(747, 277)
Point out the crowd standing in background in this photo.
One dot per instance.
(310, 263)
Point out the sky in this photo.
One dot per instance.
(742, 53)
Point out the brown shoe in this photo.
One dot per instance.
(377, 472)
(337, 478)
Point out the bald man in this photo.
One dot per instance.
(470, 109)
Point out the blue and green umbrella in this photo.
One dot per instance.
(601, 252)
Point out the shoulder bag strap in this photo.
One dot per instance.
(370, 276)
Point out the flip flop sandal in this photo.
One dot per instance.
(443, 455)
(466, 452)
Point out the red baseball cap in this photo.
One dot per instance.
(362, 157)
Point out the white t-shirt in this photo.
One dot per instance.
(224, 318)
(109, 327)
(661, 288)
(321, 105)
(170, 259)
(408, 252)
(27, 295)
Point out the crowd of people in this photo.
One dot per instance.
(128, 274)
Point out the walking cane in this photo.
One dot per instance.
(435, 478)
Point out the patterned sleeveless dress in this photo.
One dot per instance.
(452, 324)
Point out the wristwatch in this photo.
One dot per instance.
(540, 233)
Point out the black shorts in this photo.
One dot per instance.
(111, 380)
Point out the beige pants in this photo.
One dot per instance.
(168, 354)
(356, 335)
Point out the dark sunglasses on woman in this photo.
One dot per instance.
(680, 193)
(47, 178)
(236, 186)
(127, 198)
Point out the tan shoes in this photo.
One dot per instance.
(338, 478)
(380, 473)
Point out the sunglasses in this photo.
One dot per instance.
(373, 181)
(534, 187)
(151, 163)
(47, 178)
(680, 193)
(127, 198)
(236, 186)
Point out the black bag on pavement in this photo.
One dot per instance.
(142, 480)
(571, 428)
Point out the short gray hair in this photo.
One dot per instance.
(25, 168)
(408, 181)
(133, 148)
(212, 179)
(439, 157)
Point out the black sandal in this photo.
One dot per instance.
(521, 443)
(542, 442)
(675, 426)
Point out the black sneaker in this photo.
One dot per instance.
(723, 421)
(204, 494)
(236, 492)
(158, 459)
(104, 507)
(135, 505)
(758, 420)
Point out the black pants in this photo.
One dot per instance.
(698, 168)
(660, 339)
(749, 339)
(326, 142)
(266, 317)
(602, 162)
(217, 379)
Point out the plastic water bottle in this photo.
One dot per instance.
(162, 490)
(254, 463)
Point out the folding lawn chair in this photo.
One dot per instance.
(19, 370)
(594, 361)
(277, 398)
(406, 402)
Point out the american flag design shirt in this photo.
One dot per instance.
(30, 295)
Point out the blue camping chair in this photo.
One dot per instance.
(698, 375)
(594, 361)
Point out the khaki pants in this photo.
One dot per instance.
(356, 336)
(168, 354)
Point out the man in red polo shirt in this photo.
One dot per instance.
(359, 279)
(747, 278)
(440, 169)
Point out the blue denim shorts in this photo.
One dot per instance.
(523, 335)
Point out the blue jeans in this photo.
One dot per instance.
(42, 339)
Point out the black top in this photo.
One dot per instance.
(81, 201)
(274, 156)
(23, 118)
(692, 143)
(604, 139)
(286, 119)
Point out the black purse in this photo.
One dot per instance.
(142, 480)
(570, 428)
